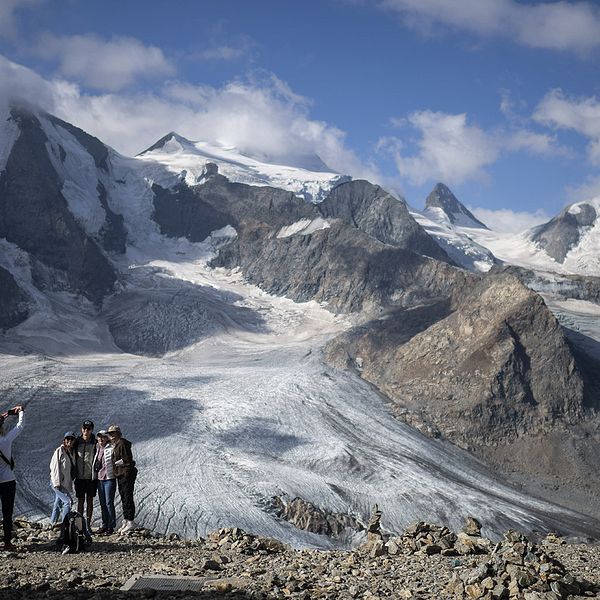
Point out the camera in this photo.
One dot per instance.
(13, 411)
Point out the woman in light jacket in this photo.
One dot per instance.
(107, 484)
(62, 468)
(8, 484)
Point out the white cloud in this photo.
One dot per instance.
(104, 64)
(541, 144)
(586, 191)
(562, 25)
(449, 149)
(578, 114)
(262, 117)
(8, 17)
(17, 81)
(508, 220)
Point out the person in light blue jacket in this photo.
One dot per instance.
(8, 485)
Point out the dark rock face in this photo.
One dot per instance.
(35, 215)
(372, 210)
(113, 234)
(93, 145)
(180, 213)
(563, 232)
(340, 265)
(442, 197)
(246, 204)
(14, 307)
(482, 368)
(343, 265)
(305, 515)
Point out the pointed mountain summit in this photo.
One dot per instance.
(171, 138)
(442, 199)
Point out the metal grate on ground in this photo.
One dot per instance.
(166, 583)
(174, 583)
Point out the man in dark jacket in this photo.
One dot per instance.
(86, 484)
(126, 473)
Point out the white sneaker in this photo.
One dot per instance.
(123, 525)
(129, 527)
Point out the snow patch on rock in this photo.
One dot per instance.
(303, 227)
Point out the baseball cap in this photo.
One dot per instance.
(102, 432)
(88, 423)
(114, 429)
(69, 434)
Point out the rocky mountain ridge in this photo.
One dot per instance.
(35, 215)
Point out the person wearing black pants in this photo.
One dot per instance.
(126, 474)
(8, 485)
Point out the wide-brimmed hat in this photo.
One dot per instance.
(114, 429)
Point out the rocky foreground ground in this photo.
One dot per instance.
(426, 561)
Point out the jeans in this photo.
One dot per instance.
(106, 495)
(7, 496)
(126, 484)
(62, 505)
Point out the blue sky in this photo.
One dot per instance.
(497, 98)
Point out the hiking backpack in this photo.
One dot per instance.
(74, 534)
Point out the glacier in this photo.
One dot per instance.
(248, 412)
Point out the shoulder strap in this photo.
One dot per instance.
(10, 463)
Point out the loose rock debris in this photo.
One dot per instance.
(427, 561)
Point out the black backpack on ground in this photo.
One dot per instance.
(74, 534)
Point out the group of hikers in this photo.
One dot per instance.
(83, 465)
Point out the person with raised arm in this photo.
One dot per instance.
(8, 484)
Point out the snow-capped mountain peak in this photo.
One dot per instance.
(442, 204)
(307, 176)
(572, 235)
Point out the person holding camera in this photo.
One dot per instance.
(8, 485)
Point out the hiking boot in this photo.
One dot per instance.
(102, 531)
(9, 546)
